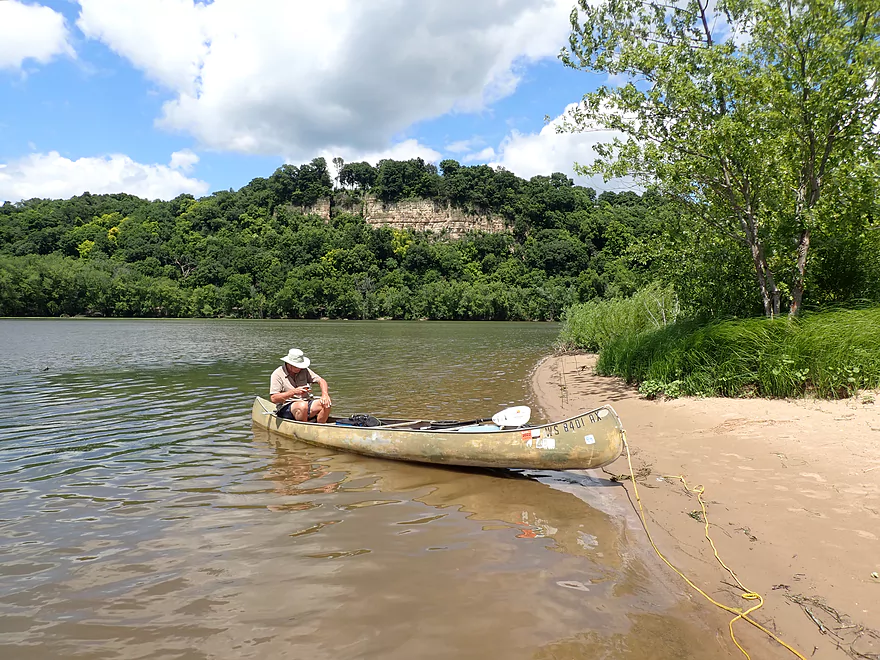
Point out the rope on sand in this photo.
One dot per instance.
(747, 593)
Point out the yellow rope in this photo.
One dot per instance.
(747, 594)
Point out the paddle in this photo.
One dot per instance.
(515, 416)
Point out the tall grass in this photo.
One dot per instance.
(828, 354)
(594, 325)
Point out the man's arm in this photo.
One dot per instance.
(325, 392)
(281, 397)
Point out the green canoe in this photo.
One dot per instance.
(588, 440)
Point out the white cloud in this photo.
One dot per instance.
(52, 176)
(481, 156)
(461, 146)
(399, 151)
(183, 160)
(31, 32)
(298, 77)
(547, 151)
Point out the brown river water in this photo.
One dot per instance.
(141, 516)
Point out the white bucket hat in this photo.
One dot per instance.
(296, 359)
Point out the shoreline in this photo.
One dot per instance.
(792, 489)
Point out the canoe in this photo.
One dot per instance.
(590, 439)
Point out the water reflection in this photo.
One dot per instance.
(492, 550)
(503, 499)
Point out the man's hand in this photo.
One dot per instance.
(284, 397)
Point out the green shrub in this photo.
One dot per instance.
(651, 389)
(673, 390)
(829, 354)
(593, 325)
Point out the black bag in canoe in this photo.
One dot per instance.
(359, 419)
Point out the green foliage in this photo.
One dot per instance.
(357, 176)
(398, 180)
(596, 324)
(829, 354)
(651, 389)
(255, 253)
(297, 186)
(758, 116)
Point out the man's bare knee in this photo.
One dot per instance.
(299, 412)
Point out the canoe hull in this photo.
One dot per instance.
(587, 440)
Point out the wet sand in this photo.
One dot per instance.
(792, 489)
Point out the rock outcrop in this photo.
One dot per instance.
(320, 208)
(415, 214)
(428, 215)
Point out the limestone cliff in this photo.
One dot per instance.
(416, 214)
(320, 208)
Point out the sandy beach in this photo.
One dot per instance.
(792, 489)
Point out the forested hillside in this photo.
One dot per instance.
(252, 253)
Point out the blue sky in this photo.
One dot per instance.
(159, 97)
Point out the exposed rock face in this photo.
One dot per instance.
(320, 208)
(416, 214)
(425, 214)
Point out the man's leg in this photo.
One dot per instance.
(316, 411)
(322, 412)
(303, 411)
(300, 410)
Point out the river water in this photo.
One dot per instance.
(141, 516)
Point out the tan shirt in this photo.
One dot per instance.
(281, 380)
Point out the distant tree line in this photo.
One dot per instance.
(253, 253)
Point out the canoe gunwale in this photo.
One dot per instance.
(452, 430)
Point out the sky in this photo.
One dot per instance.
(162, 97)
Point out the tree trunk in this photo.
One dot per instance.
(807, 198)
(769, 291)
(762, 282)
(770, 295)
(797, 289)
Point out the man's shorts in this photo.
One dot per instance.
(285, 413)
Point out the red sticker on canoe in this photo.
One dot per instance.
(526, 435)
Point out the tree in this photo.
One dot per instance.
(313, 183)
(338, 164)
(398, 180)
(300, 186)
(357, 175)
(449, 166)
(748, 111)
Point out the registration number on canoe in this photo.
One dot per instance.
(571, 425)
(539, 437)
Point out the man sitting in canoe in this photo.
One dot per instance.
(290, 389)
